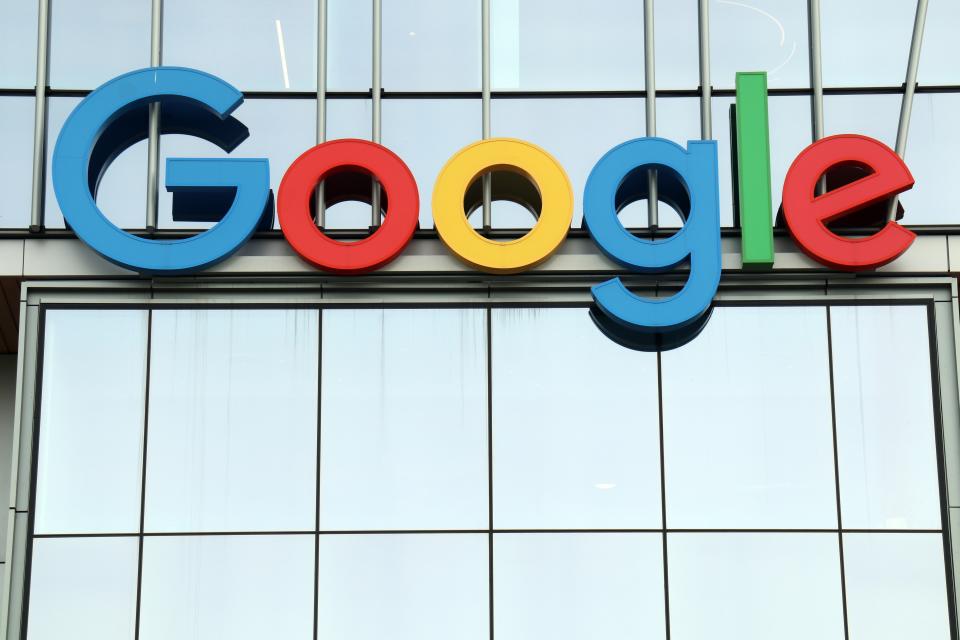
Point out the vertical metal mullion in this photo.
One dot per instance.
(321, 208)
(706, 90)
(906, 107)
(377, 104)
(816, 78)
(153, 138)
(836, 472)
(485, 100)
(650, 89)
(816, 68)
(490, 529)
(143, 474)
(40, 117)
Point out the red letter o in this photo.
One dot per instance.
(314, 246)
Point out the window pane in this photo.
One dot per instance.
(92, 41)
(350, 118)
(720, 115)
(237, 587)
(18, 45)
(253, 45)
(570, 586)
(866, 42)
(896, 587)
(431, 45)
(678, 119)
(558, 126)
(584, 462)
(349, 45)
(122, 196)
(91, 422)
(885, 424)
(233, 420)
(762, 35)
(16, 155)
(874, 115)
(791, 131)
(677, 56)
(280, 130)
(755, 586)
(934, 137)
(403, 587)
(404, 419)
(748, 436)
(940, 48)
(425, 134)
(83, 589)
(566, 45)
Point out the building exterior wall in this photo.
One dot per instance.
(427, 450)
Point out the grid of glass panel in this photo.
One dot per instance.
(569, 75)
(435, 473)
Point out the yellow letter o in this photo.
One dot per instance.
(509, 256)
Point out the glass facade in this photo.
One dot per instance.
(567, 76)
(261, 449)
(427, 472)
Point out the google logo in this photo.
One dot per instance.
(97, 131)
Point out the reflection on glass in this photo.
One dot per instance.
(874, 115)
(677, 58)
(568, 586)
(280, 130)
(759, 35)
(122, 195)
(91, 422)
(931, 147)
(941, 48)
(545, 44)
(16, 170)
(18, 45)
(558, 126)
(233, 420)
(431, 45)
(755, 586)
(237, 587)
(579, 463)
(83, 589)
(885, 424)
(351, 118)
(92, 41)
(403, 587)
(866, 42)
(895, 586)
(748, 439)
(253, 45)
(425, 134)
(404, 419)
(349, 45)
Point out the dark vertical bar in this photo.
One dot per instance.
(34, 465)
(663, 499)
(941, 467)
(489, 313)
(143, 474)
(836, 473)
(316, 535)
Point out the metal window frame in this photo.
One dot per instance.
(937, 294)
(816, 90)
